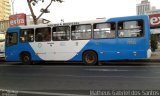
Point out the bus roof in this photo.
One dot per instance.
(115, 19)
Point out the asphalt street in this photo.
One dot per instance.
(54, 78)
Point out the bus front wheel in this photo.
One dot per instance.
(26, 58)
(90, 58)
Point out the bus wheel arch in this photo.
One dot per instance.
(25, 57)
(90, 57)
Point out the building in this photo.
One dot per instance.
(143, 7)
(5, 10)
(155, 14)
(4, 25)
(153, 11)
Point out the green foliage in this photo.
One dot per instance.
(154, 42)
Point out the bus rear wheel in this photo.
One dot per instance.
(90, 58)
(26, 58)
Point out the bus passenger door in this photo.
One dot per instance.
(12, 48)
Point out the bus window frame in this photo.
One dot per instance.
(35, 35)
(61, 33)
(142, 28)
(115, 29)
(81, 32)
(8, 41)
(27, 41)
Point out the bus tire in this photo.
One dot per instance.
(26, 58)
(90, 58)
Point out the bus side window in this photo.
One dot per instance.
(120, 31)
(27, 35)
(104, 30)
(47, 34)
(61, 33)
(11, 39)
(129, 29)
(81, 32)
(43, 34)
(140, 26)
(39, 37)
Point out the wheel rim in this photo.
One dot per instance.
(90, 58)
(26, 58)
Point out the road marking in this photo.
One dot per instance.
(75, 66)
(110, 70)
(103, 66)
(138, 77)
(49, 93)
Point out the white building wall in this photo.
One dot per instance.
(143, 7)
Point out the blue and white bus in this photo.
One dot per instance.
(90, 42)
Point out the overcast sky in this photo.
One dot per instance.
(81, 10)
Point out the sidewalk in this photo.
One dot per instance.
(155, 56)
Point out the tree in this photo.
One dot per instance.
(43, 10)
(154, 42)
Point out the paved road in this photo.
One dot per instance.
(110, 76)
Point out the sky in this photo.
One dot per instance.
(83, 10)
